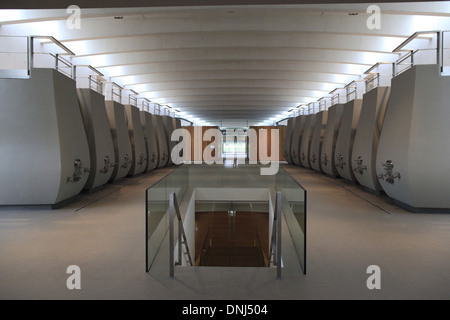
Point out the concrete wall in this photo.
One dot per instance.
(42, 134)
(121, 139)
(150, 141)
(330, 139)
(346, 136)
(137, 140)
(306, 140)
(317, 140)
(367, 136)
(297, 134)
(98, 132)
(415, 137)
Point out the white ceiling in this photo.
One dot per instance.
(246, 63)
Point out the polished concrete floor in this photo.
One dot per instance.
(104, 234)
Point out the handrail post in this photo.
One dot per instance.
(278, 250)
(171, 231)
(174, 209)
(30, 54)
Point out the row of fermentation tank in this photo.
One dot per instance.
(58, 140)
(393, 139)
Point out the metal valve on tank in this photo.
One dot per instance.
(127, 161)
(294, 154)
(313, 158)
(325, 159)
(360, 168)
(78, 172)
(340, 161)
(141, 158)
(390, 175)
(153, 158)
(107, 165)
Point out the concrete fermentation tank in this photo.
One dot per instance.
(327, 159)
(137, 140)
(150, 140)
(306, 140)
(169, 127)
(163, 151)
(288, 140)
(121, 139)
(296, 139)
(414, 149)
(44, 149)
(317, 140)
(101, 148)
(178, 151)
(367, 136)
(346, 136)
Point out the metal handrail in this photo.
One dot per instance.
(275, 245)
(174, 209)
(204, 246)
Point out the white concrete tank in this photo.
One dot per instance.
(44, 149)
(288, 139)
(296, 139)
(150, 140)
(346, 136)
(365, 146)
(327, 158)
(101, 148)
(137, 139)
(121, 139)
(306, 140)
(414, 149)
(317, 140)
(168, 129)
(163, 152)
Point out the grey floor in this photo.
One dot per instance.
(104, 234)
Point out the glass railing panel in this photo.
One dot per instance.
(220, 176)
(294, 210)
(157, 199)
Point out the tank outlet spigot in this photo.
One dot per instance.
(340, 161)
(78, 171)
(389, 174)
(325, 160)
(360, 168)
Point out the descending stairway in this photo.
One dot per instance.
(233, 241)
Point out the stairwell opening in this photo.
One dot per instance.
(232, 234)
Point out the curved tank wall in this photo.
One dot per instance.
(168, 129)
(121, 140)
(178, 145)
(306, 140)
(367, 136)
(163, 152)
(288, 139)
(98, 132)
(317, 140)
(150, 140)
(44, 150)
(327, 158)
(414, 143)
(296, 139)
(137, 140)
(346, 136)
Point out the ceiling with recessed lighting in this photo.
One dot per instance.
(233, 63)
